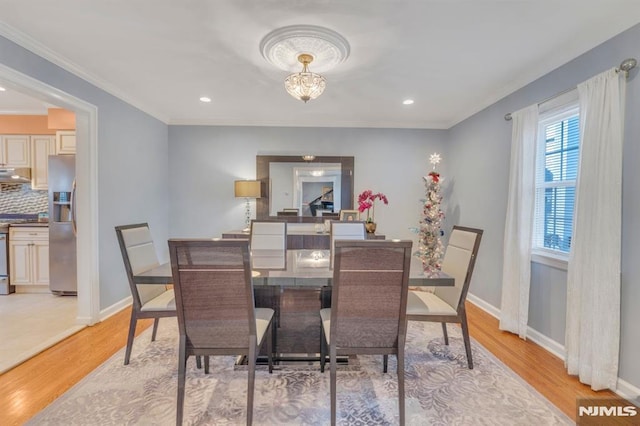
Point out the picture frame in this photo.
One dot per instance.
(349, 215)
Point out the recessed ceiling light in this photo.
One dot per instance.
(205, 99)
(407, 102)
(2, 89)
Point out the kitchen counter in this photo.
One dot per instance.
(35, 223)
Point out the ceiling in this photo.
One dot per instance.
(15, 103)
(453, 57)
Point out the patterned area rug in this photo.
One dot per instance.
(440, 389)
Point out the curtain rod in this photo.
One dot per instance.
(625, 66)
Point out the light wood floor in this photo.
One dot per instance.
(33, 385)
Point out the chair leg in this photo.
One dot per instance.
(332, 366)
(132, 331)
(206, 364)
(270, 346)
(385, 363)
(465, 336)
(444, 332)
(182, 364)
(323, 349)
(198, 362)
(252, 380)
(400, 356)
(274, 336)
(155, 329)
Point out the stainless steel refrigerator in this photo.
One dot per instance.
(62, 225)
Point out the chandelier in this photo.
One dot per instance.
(288, 47)
(305, 85)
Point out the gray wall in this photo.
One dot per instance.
(480, 146)
(205, 160)
(132, 161)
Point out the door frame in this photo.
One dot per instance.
(87, 184)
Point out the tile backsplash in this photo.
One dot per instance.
(22, 199)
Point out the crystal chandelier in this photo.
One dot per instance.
(305, 85)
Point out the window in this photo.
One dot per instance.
(558, 151)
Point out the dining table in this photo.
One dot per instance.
(297, 268)
(296, 284)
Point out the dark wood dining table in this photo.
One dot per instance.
(296, 285)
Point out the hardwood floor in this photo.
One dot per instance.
(538, 367)
(33, 385)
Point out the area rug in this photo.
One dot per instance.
(440, 389)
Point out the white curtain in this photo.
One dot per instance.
(593, 278)
(518, 230)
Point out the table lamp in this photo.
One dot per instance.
(247, 189)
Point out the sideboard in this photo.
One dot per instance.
(302, 238)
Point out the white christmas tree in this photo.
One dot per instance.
(430, 248)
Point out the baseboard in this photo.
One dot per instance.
(115, 308)
(485, 306)
(535, 336)
(547, 343)
(625, 389)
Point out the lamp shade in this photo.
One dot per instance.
(247, 188)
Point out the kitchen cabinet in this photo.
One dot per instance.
(66, 142)
(29, 255)
(41, 147)
(15, 151)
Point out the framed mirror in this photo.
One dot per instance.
(307, 190)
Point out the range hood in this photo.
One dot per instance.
(15, 175)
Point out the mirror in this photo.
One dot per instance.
(292, 187)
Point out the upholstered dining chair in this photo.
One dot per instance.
(368, 306)
(345, 230)
(447, 304)
(216, 308)
(149, 300)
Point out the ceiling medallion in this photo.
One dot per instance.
(287, 47)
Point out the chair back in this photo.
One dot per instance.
(139, 255)
(369, 293)
(345, 230)
(268, 235)
(214, 295)
(268, 244)
(459, 260)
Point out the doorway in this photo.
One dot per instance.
(88, 306)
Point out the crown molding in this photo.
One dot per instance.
(8, 111)
(229, 122)
(27, 42)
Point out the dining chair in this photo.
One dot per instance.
(345, 230)
(447, 304)
(268, 242)
(368, 313)
(149, 300)
(216, 308)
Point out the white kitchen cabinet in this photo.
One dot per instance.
(29, 255)
(15, 150)
(66, 142)
(41, 147)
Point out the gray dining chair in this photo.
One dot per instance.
(149, 300)
(216, 308)
(447, 304)
(268, 243)
(345, 230)
(368, 306)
